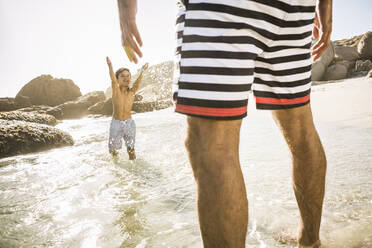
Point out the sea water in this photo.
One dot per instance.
(80, 196)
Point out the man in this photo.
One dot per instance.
(122, 125)
(226, 48)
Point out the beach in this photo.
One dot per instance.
(79, 196)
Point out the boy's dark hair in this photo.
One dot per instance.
(120, 70)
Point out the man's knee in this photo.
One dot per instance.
(295, 123)
(212, 145)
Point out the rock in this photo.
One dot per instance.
(140, 107)
(365, 46)
(361, 65)
(352, 42)
(56, 112)
(22, 101)
(336, 71)
(42, 109)
(29, 117)
(79, 107)
(138, 98)
(10, 104)
(18, 137)
(346, 53)
(7, 104)
(319, 67)
(102, 108)
(369, 75)
(46, 90)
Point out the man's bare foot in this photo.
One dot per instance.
(315, 245)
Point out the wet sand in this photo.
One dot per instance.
(348, 101)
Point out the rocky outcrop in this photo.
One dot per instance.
(363, 65)
(10, 103)
(346, 53)
(7, 104)
(352, 58)
(22, 101)
(336, 71)
(102, 108)
(365, 46)
(29, 117)
(46, 90)
(42, 109)
(352, 42)
(79, 107)
(18, 137)
(369, 75)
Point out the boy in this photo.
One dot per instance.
(122, 125)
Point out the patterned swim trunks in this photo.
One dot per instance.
(227, 48)
(119, 130)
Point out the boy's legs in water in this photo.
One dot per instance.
(113, 153)
(131, 153)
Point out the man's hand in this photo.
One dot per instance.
(130, 37)
(322, 27)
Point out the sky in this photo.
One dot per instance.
(71, 39)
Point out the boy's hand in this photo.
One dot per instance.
(145, 67)
(108, 61)
(130, 36)
(111, 71)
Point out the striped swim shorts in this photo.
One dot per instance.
(227, 48)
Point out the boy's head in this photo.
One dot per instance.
(123, 76)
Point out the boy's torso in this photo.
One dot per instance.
(122, 102)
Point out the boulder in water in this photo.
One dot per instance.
(79, 107)
(102, 108)
(7, 104)
(29, 117)
(19, 137)
(46, 90)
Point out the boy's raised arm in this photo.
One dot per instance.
(139, 79)
(114, 81)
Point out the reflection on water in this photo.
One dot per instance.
(81, 197)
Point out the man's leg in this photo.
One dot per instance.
(213, 149)
(309, 168)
